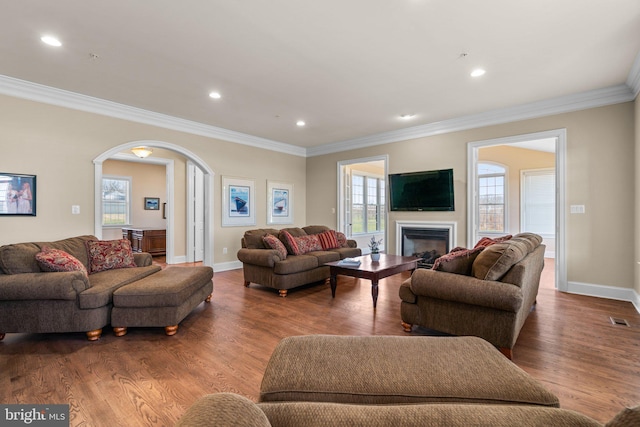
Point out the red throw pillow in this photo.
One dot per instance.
(109, 255)
(290, 243)
(458, 262)
(307, 244)
(328, 240)
(50, 259)
(273, 242)
(488, 241)
(342, 239)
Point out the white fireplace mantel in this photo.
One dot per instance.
(446, 225)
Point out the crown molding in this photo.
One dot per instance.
(564, 104)
(63, 98)
(633, 80)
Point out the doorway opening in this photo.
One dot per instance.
(496, 205)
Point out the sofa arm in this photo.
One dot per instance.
(261, 257)
(352, 243)
(39, 286)
(223, 410)
(466, 289)
(143, 259)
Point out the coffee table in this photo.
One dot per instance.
(372, 270)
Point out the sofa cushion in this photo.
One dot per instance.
(224, 409)
(296, 264)
(109, 255)
(328, 240)
(530, 239)
(306, 244)
(315, 229)
(273, 242)
(57, 260)
(325, 256)
(458, 261)
(253, 238)
(105, 282)
(19, 258)
(289, 242)
(496, 260)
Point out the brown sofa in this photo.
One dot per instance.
(35, 301)
(265, 266)
(326, 380)
(488, 294)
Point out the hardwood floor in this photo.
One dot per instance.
(147, 378)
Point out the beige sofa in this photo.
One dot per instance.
(487, 293)
(267, 267)
(36, 301)
(391, 381)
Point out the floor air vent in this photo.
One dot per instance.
(619, 322)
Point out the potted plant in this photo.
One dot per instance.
(374, 245)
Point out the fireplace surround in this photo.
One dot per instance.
(426, 240)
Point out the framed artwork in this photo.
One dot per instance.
(279, 203)
(151, 203)
(238, 202)
(17, 194)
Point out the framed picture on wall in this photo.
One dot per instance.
(152, 203)
(279, 203)
(238, 202)
(17, 194)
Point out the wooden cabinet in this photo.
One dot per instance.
(152, 240)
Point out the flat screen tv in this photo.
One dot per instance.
(422, 191)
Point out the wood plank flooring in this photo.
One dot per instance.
(147, 378)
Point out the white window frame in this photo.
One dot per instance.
(380, 208)
(505, 204)
(129, 180)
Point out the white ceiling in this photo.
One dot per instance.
(349, 68)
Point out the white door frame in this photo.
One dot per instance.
(560, 136)
(208, 194)
(195, 209)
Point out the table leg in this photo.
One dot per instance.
(333, 281)
(374, 291)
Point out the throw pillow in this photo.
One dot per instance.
(273, 242)
(342, 239)
(57, 260)
(307, 244)
(497, 259)
(328, 240)
(289, 242)
(109, 255)
(488, 241)
(458, 261)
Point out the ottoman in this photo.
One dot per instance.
(161, 299)
(397, 370)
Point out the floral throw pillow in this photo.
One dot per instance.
(109, 255)
(459, 261)
(342, 239)
(307, 244)
(50, 259)
(488, 241)
(328, 240)
(273, 242)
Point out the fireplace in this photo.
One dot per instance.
(425, 240)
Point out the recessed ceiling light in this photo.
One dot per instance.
(51, 41)
(477, 72)
(300, 123)
(407, 116)
(215, 95)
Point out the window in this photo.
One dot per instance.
(367, 204)
(491, 197)
(116, 200)
(539, 201)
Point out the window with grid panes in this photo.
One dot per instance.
(491, 197)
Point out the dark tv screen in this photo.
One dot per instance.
(422, 191)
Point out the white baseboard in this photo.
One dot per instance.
(608, 292)
(225, 266)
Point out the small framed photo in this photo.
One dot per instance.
(17, 194)
(238, 202)
(151, 203)
(279, 203)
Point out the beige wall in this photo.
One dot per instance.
(600, 167)
(59, 144)
(637, 198)
(516, 160)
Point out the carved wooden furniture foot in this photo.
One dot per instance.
(406, 326)
(119, 332)
(171, 330)
(246, 284)
(282, 292)
(93, 335)
(208, 299)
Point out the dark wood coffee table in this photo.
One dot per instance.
(372, 270)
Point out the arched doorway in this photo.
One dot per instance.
(208, 194)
